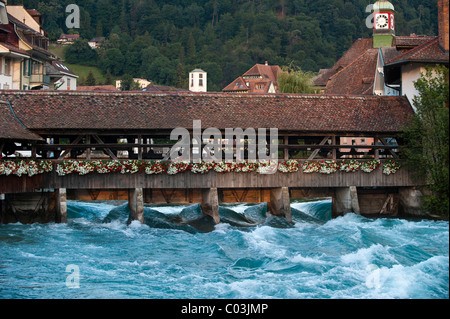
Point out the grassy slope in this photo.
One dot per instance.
(81, 70)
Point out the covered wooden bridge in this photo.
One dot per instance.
(134, 126)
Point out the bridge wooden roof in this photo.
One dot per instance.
(11, 128)
(52, 110)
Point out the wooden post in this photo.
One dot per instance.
(286, 150)
(140, 147)
(61, 205)
(280, 203)
(210, 203)
(88, 150)
(334, 151)
(136, 204)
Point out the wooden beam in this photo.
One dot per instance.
(316, 151)
(390, 149)
(76, 141)
(107, 149)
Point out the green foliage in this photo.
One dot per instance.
(90, 81)
(427, 138)
(230, 34)
(128, 84)
(294, 80)
(81, 53)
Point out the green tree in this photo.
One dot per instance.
(81, 53)
(113, 61)
(294, 80)
(108, 78)
(427, 139)
(126, 83)
(90, 80)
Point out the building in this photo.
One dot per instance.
(386, 64)
(25, 62)
(261, 78)
(61, 77)
(26, 33)
(94, 43)
(404, 69)
(198, 81)
(67, 38)
(142, 83)
(12, 57)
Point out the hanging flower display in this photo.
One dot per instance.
(81, 167)
(25, 167)
(391, 167)
(289, 166)
(350, 166)
(370, 166)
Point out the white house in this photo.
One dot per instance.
(198, 81)
(61, 77)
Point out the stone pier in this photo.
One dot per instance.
(280, 204)
(210, 203)
(136, 204)
(345, 200)
(61, 205)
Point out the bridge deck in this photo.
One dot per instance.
(211, 179)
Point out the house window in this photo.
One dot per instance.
(1, 65)
(27, 67)
(37, 68)
(7, 67)
(259, 86)
(6, 86)
(68, 84)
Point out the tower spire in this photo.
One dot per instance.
(383, 24)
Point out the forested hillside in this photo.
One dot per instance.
(162, 40)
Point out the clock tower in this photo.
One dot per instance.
(383, 24)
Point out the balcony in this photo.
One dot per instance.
(39, 79)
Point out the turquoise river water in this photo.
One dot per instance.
(180, 254)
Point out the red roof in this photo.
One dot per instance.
(429, 51)
(69, 110)
(256, 80)
(97, 88)
(10, 127)
(354, 72)
(359, 76)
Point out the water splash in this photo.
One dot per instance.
(179, 253)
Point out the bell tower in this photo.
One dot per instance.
(383, 24)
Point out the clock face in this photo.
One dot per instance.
(382, 21)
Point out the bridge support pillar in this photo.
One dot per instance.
(136, 204)
(345, 200)
(280, 203)
(210, 203)
(411, 201)
(61, 205)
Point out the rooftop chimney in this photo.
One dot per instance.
(443, 24)
(267, 63)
